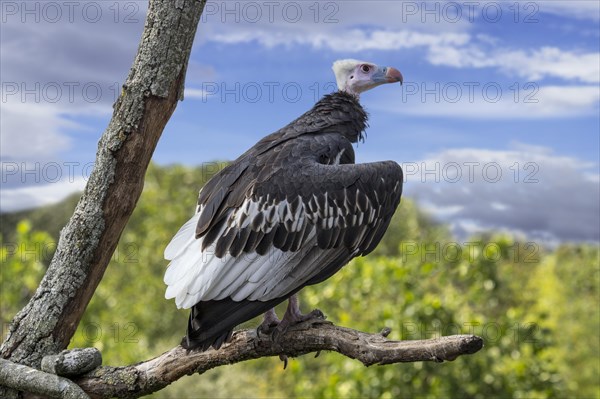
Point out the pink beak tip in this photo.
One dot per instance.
(394, 75)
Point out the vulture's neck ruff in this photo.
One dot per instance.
(344, 113)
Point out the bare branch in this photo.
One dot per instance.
(312, 336)
(24, 378)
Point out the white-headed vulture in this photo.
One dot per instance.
(289, 212)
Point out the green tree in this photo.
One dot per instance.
(537, 310)
(24, 261)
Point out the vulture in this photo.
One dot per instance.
(289, 212)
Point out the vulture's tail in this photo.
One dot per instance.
(211, 323)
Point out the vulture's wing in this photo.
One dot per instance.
(284, 231)
(291, 228)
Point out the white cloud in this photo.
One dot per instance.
(32, 131)
(351, 26)
(351, 40)
(196, 93)
(55, 72)
(19, 198)
(451, 49)
(37, 130)
(531, 64)
(490, 100)
(448, 39)
(582, 9)
(526, 189)
(552, 62)
(459, 57)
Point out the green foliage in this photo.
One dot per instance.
(53, 218)
(424, 294)
(410, 226)
(537, 311)
(24, 262)
(569, 291)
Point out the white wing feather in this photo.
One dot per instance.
(195, 275)
(182, 239)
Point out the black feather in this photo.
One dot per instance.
(224, 243)
(253, 240)
(324, 238)
(240, 241)
(265, 243)
(280, 236)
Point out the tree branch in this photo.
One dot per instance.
(24, 378)
(311, 336)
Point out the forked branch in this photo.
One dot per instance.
(312, 336)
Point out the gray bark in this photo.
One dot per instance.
(71, 363)
(149, 97)
(24, 378)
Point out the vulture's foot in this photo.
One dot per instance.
(290, 319)
(270, 321)
(272, 325)
(288, 322)
(293, 316)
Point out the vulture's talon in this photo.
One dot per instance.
(270, 322)
(385, 332)
(278, 332)
(259, 331)
(284, 359)
(316, 314)
(266, 328)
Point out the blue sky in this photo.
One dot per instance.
(490, 87)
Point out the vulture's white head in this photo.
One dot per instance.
(355, 76)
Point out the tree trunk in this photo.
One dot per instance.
(149, 97)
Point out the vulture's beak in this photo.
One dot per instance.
(393, 75)
(387, 75)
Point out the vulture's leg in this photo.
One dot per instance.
(294, 316)
(270, 321)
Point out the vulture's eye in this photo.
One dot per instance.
(365, 68)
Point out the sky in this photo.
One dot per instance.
(497, 125)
